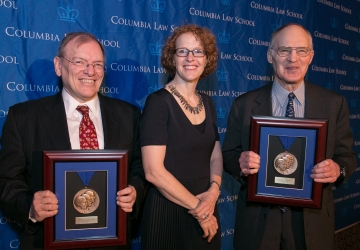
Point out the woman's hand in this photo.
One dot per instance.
(210, 228)
(204, 211)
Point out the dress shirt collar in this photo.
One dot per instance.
(281, 94)
(71, 104)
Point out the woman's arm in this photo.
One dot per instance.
(209, 198)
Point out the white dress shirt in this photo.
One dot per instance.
(73, 118)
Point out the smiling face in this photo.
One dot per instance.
(290, 71)
(84, 84)
(189, 68)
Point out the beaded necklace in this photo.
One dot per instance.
(193, 110)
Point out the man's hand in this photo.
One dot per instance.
(44, 205)
(249, 162)
(126, 198)
(326, 171)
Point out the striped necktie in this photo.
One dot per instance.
(290, 112)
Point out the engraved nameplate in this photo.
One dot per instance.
(284, 180)
(86, 220)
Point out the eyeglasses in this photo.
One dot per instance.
(185, 52)
(82, 64)
(286, 51)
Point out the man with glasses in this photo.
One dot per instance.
(265, 226)
(54, 123)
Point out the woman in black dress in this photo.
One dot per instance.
(181, 149)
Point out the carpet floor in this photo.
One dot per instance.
(349, 238)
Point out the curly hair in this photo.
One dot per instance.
(207, 40)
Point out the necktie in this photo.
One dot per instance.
(87, 131)
(290, 112)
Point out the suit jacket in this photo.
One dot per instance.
(38, 125)
(320, 103)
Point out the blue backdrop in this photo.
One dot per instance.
(133, 33)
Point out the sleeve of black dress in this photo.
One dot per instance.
(153, 122)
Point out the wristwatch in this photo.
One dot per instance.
(342, 172)
(341, 177)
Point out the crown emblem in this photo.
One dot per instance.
(67, 14)
(275, 26)
(357, 45)
(331, 55)
(155, 49)
(152, 89)
(221, 217)
(344, 211)
(223, 37)
(157, 5)
(356, 74)
(352, 130)
(222, 75)
(226, 2)
(334, 22)
(329, 85)
(353, 103)
(220, 112)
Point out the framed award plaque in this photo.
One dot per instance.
(85, 183)
(289, 148)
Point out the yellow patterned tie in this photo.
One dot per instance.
(87, 131)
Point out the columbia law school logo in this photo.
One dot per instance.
(275, 26)
(226, 2)
(220, 112)
(344, 211)
(157, 5)
(223, 37)
(352, 130)
(331, 55)
(356, 75)
(68, 14)
(155, 49)
(222, 75)
(353, 103)
(153, 89)
(329, 85)
(334, 22)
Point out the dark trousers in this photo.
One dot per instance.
(284, 230)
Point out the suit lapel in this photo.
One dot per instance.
(263, 100)
(55, 125)
(312, 108)
(111, 126)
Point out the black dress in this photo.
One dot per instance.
(166, 225)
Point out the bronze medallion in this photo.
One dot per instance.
(86, 201)
(285, 163)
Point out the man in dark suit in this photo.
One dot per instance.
(52, 123)
(264, 226)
